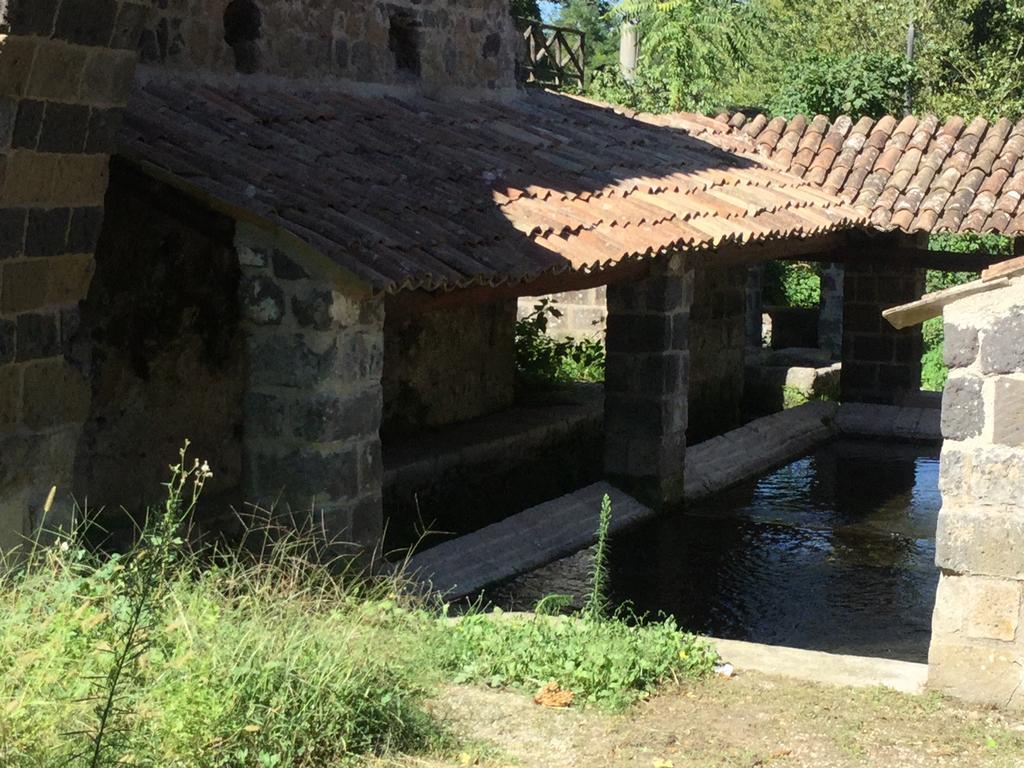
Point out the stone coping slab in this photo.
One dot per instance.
(560, 527)
(522, 542)
(821, 667)
(893, 422)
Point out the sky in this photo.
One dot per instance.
(548, 10)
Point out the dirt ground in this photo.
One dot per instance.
(749, 720)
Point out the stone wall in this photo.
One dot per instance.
(717, 351)
(977, 646)
(468, 44)
(168, 358)
(880, 364)
(646, 375)
(313, 402)
(447, 365)
(65, 70)
(830, 316)
(584, 313)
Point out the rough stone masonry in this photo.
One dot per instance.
(66, 68)
(977, 647)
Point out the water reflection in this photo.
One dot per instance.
(833, 552)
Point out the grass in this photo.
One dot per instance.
(271, 653)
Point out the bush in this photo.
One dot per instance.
(792, 284)
(244, 662)
(543, 362)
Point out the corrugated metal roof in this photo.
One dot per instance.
(418, 193)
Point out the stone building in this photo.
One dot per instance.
(297, 233)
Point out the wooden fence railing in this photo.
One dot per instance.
(554, 55)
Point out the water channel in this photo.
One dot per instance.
(834, 551)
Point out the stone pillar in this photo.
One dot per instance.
(66, 68)
(880, 364)
(646, 381)
(977, 646)
(830, 318)
(755, 306)
(311, 444)
(717, 351)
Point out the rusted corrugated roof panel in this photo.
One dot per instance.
(410, 194)
(914, 174)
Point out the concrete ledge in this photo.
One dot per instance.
(757, 447)
(523, 542)
(820, 667)
(892, 422)
(561, 527)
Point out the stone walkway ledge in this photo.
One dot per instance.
(561, 527)
(520, 543)
(892, 422)
(821, 667)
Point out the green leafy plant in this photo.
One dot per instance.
(605, 660)
(792, 284)
(543, 361)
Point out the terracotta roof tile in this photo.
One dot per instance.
(908, 173)
(419, 193)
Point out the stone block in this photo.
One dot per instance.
(37, 336)
(976, 671)
(28, 124)
(34, 17)
(54, 393)
(65, 127)
(1001, 347)
(10, 396)
(304, 478)
(57, 72)
(1006, 417)
(993, 609)
(311, 306)
(963, 411)
(325, 418)
(980, 541)
(84, 231)
(86, 22)
(979, 473)
(960, 346)
(29, 179)
(104, 125)
(23, 286)
(69, 278)
(262, 300)
(107, 77)
(16, 55)
(47, 231)
(12, 231)
(81, 180)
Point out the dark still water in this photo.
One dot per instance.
(834, 552)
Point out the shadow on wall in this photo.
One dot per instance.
(168, 359)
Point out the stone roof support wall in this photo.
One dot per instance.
(65, 70)
(314, 395)
(977, 647)
(830, 319)
(717, 350)
(646, 380)
(880, 364)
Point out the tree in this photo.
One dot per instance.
(524, 9)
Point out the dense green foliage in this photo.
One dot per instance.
(819, 56)
(543, 361)
(792, 284)
(271, 654)
(524, 9)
